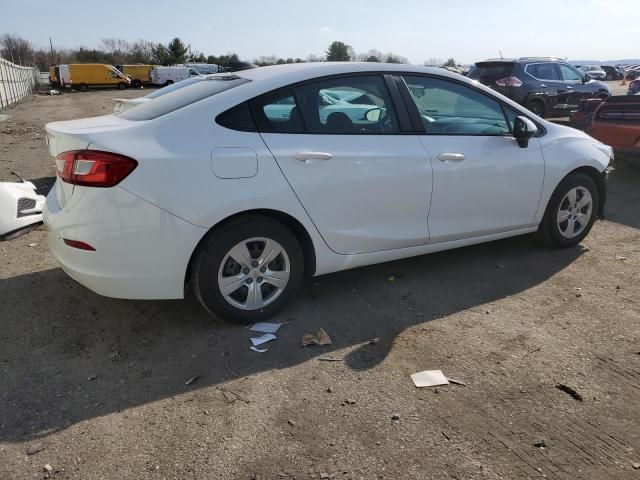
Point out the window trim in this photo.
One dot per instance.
(555, 66)
(418, 119)
(571, 67)
(398, 109)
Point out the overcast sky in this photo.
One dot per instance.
(468, 30)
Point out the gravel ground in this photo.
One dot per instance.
(96, 388)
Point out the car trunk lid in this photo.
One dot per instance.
(490, 71)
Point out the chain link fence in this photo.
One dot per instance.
(16, 82)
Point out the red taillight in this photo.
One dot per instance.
(78, 244)
(509, 82)
(93, 168)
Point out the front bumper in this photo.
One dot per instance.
(142, 252)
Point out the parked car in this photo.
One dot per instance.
(617, 122)
(632, 73)
(634, 87)
(546, 86)
(168, 75)
(205, 187)
(139, 75)
(581, 118)
(594, 71)
(612, 72)
(123, 104)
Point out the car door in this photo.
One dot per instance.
(483, 182)
(577, 89)
(365, 183)
(548, 84)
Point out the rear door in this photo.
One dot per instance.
(353, 162)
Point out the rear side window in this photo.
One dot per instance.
(543, 71)
(238, 118)
(278, 113)
(181, 98)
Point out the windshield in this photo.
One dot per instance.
(182, 97)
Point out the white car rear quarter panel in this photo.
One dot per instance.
(142, 251)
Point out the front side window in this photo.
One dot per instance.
(569, 74)
(449, 108)
(542, 71)
(358, 105)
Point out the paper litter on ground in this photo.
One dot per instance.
(267, 337)
(259, 350)
(265, 327)
(429, 378)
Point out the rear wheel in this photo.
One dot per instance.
(536, 107)
(168, 82)
(136, 84)
(122, 86)
(571, 212)
(248, 270)
(83, 87)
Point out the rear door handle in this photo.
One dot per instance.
(451, 157)
(304, 156)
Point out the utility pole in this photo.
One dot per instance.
(53, 61)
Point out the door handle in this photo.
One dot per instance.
(304, 156)
(542, 85)
(569, 87)
(451, 157)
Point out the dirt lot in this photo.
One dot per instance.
(100, 385)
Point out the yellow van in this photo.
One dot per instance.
(95, 75)
(139, 74)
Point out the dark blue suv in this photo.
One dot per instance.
(547, 86)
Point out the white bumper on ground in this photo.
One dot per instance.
(141, 251)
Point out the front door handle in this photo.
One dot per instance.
(451, 157)
(569, 87)
(542, 85)
(304, 156)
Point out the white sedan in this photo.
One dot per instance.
(214, 187)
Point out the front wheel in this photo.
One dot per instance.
(571, 212)
(248, 270)
(536, 107)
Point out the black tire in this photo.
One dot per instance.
(167, 83)
(83, 87)
(213, 251)
(136, 84)
(549, 232)
(122, 86)
(537, 107)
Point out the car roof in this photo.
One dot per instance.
(301, 71)
(522, 60)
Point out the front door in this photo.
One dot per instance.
(483, 182)
(574, 85)
(365, 184)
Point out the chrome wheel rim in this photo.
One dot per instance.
(254, 273)
(575, 212)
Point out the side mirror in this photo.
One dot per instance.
(586, 78)
(373, 115)
(523, 130)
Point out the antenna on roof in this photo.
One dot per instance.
(501, 57)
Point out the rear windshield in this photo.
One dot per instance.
(174, 86)
(182, 97)
(491, 70)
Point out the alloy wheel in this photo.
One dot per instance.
(574, 214)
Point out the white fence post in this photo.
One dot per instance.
(16, 82)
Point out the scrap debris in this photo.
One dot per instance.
(429, 378)
(265, 327)
(570, 391)
(319, 338)
(267, 337)
(192, 380)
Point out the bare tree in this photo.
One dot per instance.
(434, 62)
(117, 49)
(16, 49)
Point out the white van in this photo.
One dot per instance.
(169, 75)
(204, 68)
